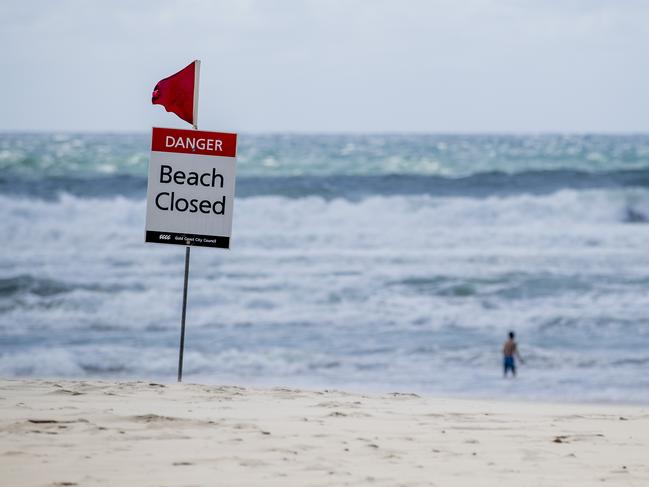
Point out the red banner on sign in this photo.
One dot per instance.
(194, 142)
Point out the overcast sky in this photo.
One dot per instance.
(330, 66)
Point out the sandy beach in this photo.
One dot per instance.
(68, 433)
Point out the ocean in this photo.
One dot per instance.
(360, 262)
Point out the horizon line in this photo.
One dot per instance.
(521, 133)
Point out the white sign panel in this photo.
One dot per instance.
(190, 195)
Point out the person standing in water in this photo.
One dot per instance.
(510, 350)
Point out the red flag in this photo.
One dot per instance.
(179, 93)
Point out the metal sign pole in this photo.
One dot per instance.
(182, 321)
(197, 71)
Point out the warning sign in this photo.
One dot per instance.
(190, 195)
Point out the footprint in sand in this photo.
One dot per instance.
(65, 392)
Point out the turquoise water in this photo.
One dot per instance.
(320, 155)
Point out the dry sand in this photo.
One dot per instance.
(56, 433)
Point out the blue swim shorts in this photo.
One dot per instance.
(508, 363)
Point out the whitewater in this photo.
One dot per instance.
(362, 262)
